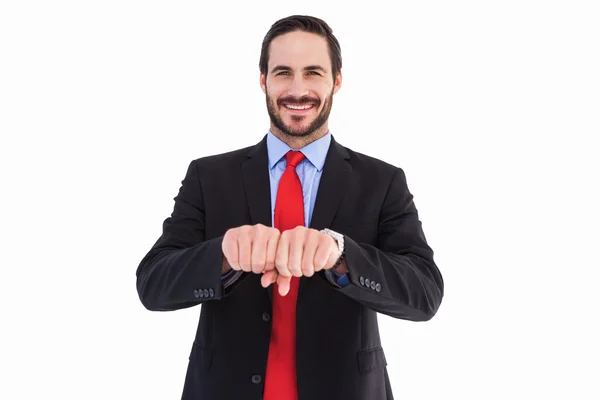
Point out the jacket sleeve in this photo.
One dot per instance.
(399, 277)
(182, 268)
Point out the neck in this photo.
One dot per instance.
(298, 142)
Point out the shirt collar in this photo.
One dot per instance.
(315, 152)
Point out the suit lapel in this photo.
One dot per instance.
(334, 183)
(255, 172)
(257, 185)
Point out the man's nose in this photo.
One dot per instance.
(298, 87)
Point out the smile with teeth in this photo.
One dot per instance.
(302, 107)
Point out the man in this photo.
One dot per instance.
(292, 246)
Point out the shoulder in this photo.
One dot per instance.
(221, 159)
(376, 175)
(369, 163)
(225, 161)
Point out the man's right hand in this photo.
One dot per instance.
(251, 248)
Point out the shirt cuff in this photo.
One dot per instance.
(227, 275)
(230, 277)
(337, 279)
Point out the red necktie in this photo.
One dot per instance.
(280, 379)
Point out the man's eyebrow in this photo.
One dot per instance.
(308, 68)
(315, 67)
(280, 68)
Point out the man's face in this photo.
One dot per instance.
(299, 85)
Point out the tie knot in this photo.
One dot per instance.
(293, 158)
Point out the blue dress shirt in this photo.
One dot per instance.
(309, 171)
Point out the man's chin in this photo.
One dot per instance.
(296, 128)
(297, 132)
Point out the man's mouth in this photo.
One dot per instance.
(299, 108)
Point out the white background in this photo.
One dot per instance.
(491, 109)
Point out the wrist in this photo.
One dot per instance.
(338, 238)
(342, 268)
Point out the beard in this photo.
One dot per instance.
(299, 130)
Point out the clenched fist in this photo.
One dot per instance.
(279, 256)
(251, 248)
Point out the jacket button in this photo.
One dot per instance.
(372, 285)
(378, 287)
(205, 292)
(362, 280)
(211, 292)
(256, 379)
(266, 317)
(367, 282)
(196, 293)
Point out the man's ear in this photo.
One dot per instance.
(337, 84)
(263, 83)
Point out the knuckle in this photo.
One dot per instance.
(230, 236)
(259, 263)
(293, 266)
(320, 260)
(257, 239)
(306, 267)
(325, 239)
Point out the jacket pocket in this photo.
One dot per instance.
(201, 356)
(369, 360)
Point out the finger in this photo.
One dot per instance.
(259, 251)
(245, 249)
(269, 278)
(283, 282)
(231, 251)
(333, 257)
(272, 250)
(296, 248)
(282, 257)
(308, 254)
(321, 256)
(331, 250)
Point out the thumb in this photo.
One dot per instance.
(268, 278)
(283, 282)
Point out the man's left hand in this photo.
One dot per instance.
(300, 252)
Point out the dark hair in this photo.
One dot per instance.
(302, 23)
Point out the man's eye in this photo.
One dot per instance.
(283, 73)
(313, 73)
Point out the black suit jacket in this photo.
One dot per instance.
(339, 353)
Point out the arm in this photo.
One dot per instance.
(398, 278)
(182, 268)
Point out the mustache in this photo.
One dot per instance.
(298, 101)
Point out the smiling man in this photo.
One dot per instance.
(299, 80)
(292, 246)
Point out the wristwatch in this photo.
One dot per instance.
(339, 238)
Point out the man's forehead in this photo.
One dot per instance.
(298, 50)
